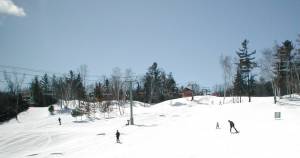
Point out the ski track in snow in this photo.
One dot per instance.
(178, 128)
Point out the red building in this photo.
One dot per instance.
(186, 92)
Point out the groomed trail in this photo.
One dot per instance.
(177, 128)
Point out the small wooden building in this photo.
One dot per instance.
(186, 92)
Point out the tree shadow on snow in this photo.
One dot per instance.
(65, 110)
(142, 125)
(33, 155)
(200, 102)
(107, 118)
(81, 121)
(56, 154)
(178, 104)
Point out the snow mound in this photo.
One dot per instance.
(175, 128)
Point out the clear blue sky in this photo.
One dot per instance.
(185, 37)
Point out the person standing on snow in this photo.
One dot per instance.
(232, 126)
(59, 120)
(118, 136)
(217, 126)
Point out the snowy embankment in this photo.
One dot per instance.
(176, 128)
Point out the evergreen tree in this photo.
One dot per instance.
(138, 93)
(171, 87)
(36, 92)
(69, 82)
(252, 84)
(158, 86)
(98, 91)
(263, 88)
(238, 85)
(51, 109)
(55, 87)
(45, 85)
(40, 90)
(246, 64)
(79, 88)
(46, 93)
(152, 83)
(282, 67)
(77, 112)
(163, 86)
(107, 90)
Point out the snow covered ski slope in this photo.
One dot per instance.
(177, 128)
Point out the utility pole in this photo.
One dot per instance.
(131, 103)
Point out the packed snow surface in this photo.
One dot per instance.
(178, 128)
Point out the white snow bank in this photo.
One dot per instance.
(177, 128)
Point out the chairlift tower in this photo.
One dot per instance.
(131, 103)
(130, 81)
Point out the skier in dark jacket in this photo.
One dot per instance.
(118, 136)
(232, 126)
(59, 120)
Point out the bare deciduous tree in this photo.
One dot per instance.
(116, 85)
(14, 86)
(266, 68)
(83, 71)
(226, 65)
